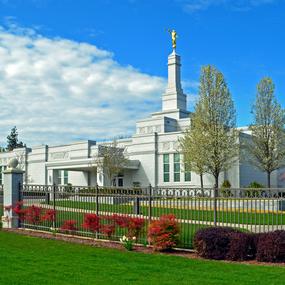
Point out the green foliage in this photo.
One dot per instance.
(252, 192)
(226, 184)
(225, 189)
(193, 145)
(211, 145)
(267, 148)
(255, 184)
(110, 160)
(13, 141)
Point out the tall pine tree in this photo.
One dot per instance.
(13, 141)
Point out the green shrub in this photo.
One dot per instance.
(225, 189)
(252, 192)
(255, 184)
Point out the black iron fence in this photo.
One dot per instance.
(66, 209)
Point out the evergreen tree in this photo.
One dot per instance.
(13, 141)
(267, 148)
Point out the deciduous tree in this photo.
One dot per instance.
(267, 147)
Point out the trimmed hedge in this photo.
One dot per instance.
(241, 246)
(271, 247)
(231, 244)
(213, 242)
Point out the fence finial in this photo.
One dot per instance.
(13, 163)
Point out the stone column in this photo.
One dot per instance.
(13, 178)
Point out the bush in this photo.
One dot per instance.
(19, 211)
(252, 193)
(133, 225)
(107, 229)
(255, 184)
(49, 216)
(33, 214)
(271, 247)
(69, 226)
(213, 242)
(163, 234)
(241, 246)
(91, 222)
(225, 189)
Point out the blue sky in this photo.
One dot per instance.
(128, 41)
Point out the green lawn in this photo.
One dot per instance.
(28, 260)
(236, 217)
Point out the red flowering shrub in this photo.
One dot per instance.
(33, 214)
(69, 226)
(107, 229)
(121, 221)
(133, 225)
(164, 233)
(18, 210)
(91, 222)
(49, 216)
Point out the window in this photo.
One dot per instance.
(65, 177)
(166, 168)
(62, 177)
(118, 181)
(176, 167)
(187, 173)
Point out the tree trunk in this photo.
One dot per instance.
(202, 184)
(269, 179)
(201, 181)
(215, 198)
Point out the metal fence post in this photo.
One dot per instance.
(97, 199)
(149, 202)
(54, 205)
(137, 205)
(13, 179)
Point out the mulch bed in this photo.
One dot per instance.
(117, 245)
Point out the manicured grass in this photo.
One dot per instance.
(235, 217)
(28, 260)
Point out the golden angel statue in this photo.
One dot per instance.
(173, 38)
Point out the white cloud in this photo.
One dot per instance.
(193, 6)
(57, 90)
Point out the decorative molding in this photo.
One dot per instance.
(149, 129)
(175, 145)
(158, 129)
(4, 161)
(166, 145)
(59, 155)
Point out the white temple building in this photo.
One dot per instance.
(153, 153)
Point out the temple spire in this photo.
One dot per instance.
(174, 98)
